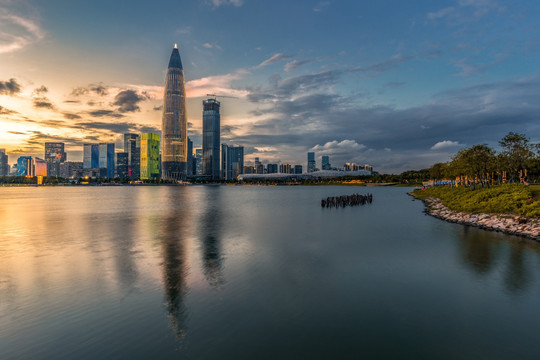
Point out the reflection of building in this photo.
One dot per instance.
(150, 164)
(121, 165)
(40, 167)
(54, 156)
(174, 121)
(132, 147)
(25, 166)
(210, 141)
(325, 163)
(211, 228)
(106, 158)
(232, 161)
(71, 169)
(4, 166)
(311, 162)
(90, 156)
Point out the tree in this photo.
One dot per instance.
(476, 161)
(517, 151)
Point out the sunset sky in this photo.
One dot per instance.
(395, 84)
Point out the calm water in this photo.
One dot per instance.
(209, 272)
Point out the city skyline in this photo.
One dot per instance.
(392, 85)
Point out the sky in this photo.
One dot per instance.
(395, 84)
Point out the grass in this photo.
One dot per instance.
(501, 199)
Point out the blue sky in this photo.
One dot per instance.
(395, 84)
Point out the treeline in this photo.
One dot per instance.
(518, 160)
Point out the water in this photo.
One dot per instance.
(222, 272)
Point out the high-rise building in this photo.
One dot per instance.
(198, 162)
(232, 161)
(121, 165)
(325, 163)
(311, 162)
(106, 158)
(40, 167)
(285, 168)
(298, 169)
(25, 166)
(4, 165)
(271, 168)
(190, 158)
(210, 140)
(71, 169)
(54, 156)
(132, 147)
(174, 121)
(90, 156)
(259, 167)
(150, 164)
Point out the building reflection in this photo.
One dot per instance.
(517, 277)
(172, 234)
(210, 229)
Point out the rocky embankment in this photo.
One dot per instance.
(507, 223)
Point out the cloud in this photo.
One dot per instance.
(293, 65)
(127, 101)
(43, 103)
(17, 32)
(105, 113)
(158, 108)
(71, 116)
(98, 89)
(235, 3)
(4, 111)
(321, 5)
(212, 46)
(440, 14)
(10, 87)
(273, 59)
(41, 90)
(383, 66)
(338, 147)
(445, 145)
(217, 84)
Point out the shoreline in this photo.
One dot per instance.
(506, 223)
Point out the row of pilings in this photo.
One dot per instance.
(347, 200)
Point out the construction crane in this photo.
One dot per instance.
(221, 96)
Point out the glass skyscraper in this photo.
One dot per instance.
(4, 166)
(210, 140)
(90, 156)
(25, 166)
(174, 121)
(106, 158)
(150, 164)
(311, 162)
(232, 160)
(121, 165)
(132, 147)
(325, 163)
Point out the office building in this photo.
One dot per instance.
(40, 167)
(150, 161)
(174, 121)
(90, 156)
(211, 138)
(285, 168)
(272, 168)
(54, 156)
(25, 166)
(232, 161)
(106, 159)
(259, 167)
(132, 147)
(71, 169)
(311, 166)
(4, 165)
(297, 169)
(325, 163)
(121, 165)
(191, 162)
(198, 162)
(249, 169)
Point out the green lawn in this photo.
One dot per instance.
(501, 199)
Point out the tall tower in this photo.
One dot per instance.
(174, 121)
(210, 140)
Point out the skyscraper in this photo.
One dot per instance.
(121, 165)
(40, 167)
(132, 147)
(4, 166)
(90, 156)
(106, 158)
(232, 160)
(150, 156)
(311, 162)
(210, 141)
(54, 156)
(25, 166)
(174, 121)
(325, 163)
